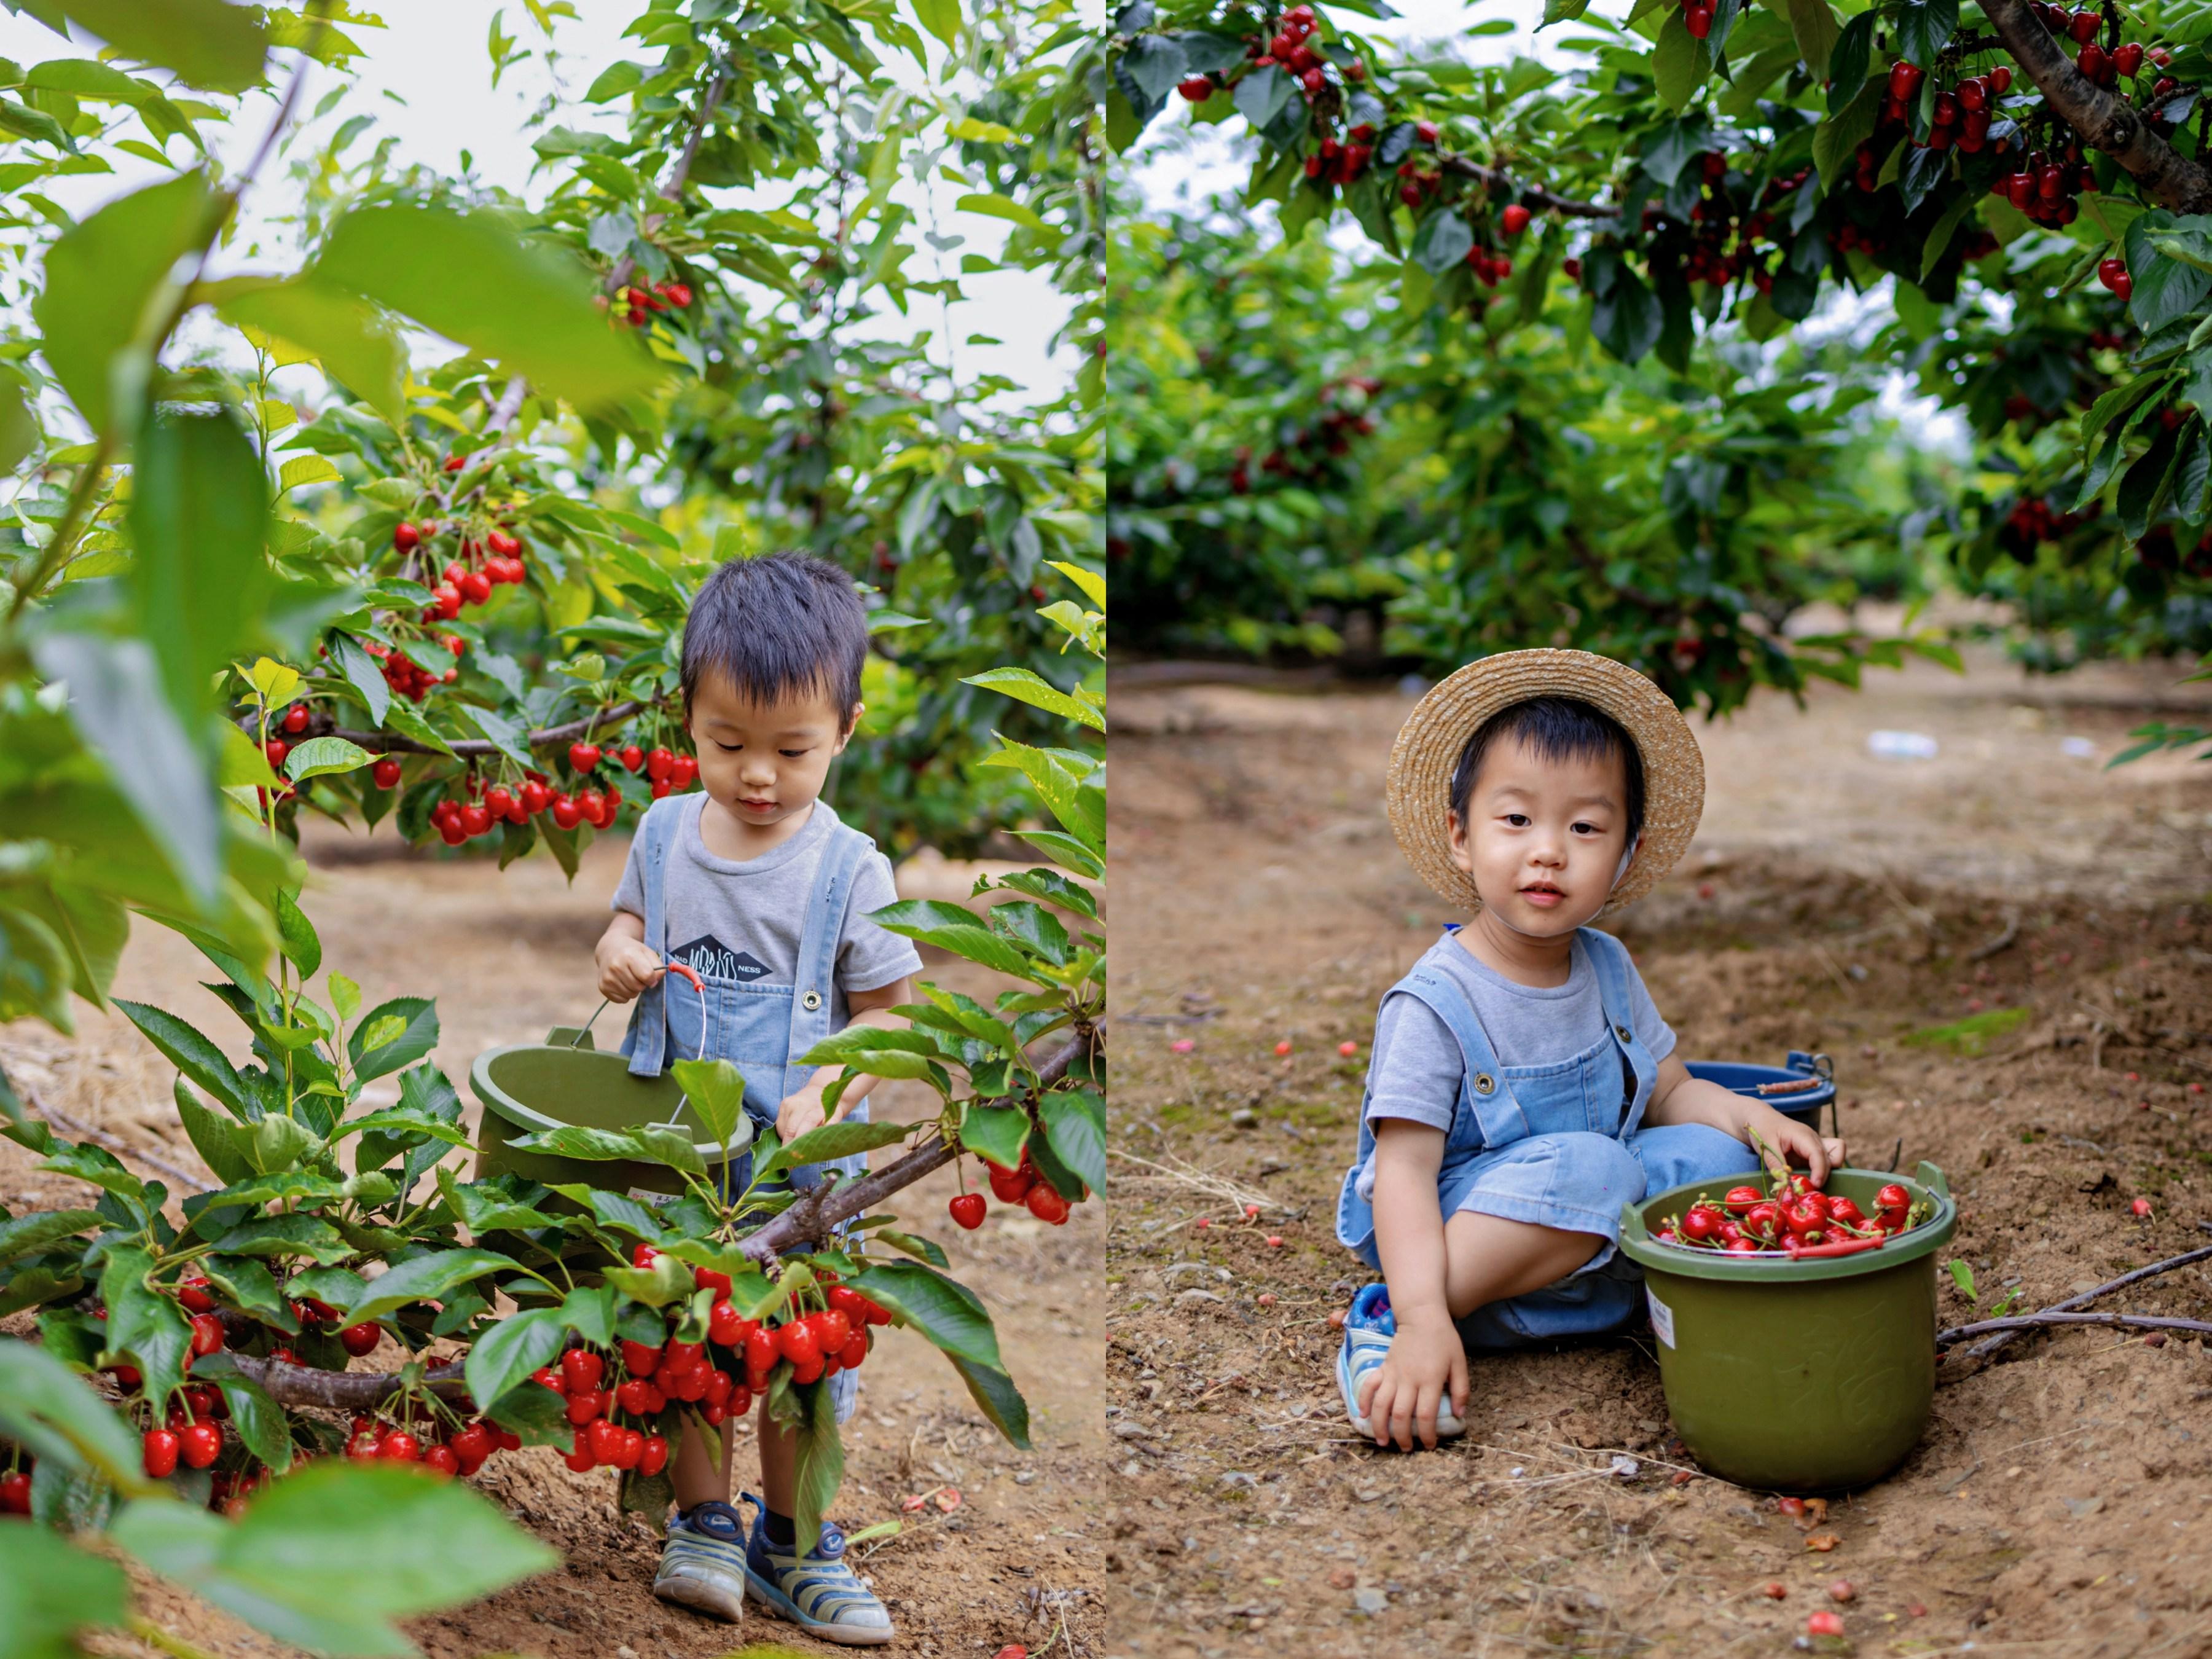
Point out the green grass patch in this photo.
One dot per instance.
(1969, 1037)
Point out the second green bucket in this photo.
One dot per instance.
(1803, 1376)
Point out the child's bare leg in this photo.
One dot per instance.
(1488, 1258)
(779, 1449)
(699, 1478)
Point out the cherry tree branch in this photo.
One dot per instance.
(471, 748)
(671, 187)
(1533, 195)
(340, 1391)
(2103, 121)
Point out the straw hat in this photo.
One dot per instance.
(1419, 789)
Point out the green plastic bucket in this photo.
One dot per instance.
(527, 1087)
(1812, 1375)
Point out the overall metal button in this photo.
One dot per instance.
(1483, 1083)
(1621, 1031)
(810, 1001)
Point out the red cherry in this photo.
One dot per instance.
(680, 1355)
(160, 1452)
(796, 1342)
(443, 1459)
(473, 1444)
(405, 536)
(686, 768)
(547, 1377)
(358, 1339)
(633, 757)
(582, 1408)
(1698, 20)
(534, 798)
(659, 763)
(967, 1210)
(1823, 1623)
(1046, 1204)
(397, 1446)
(1198, 88)
(582, 1370)
(475, 587)
(448, 599)
(385, 774)
(1514, 220)
(583, 756)
(653, 1457)
(680, 294)
(580, 1457)
(2127, 59)
(502, 543)
(2084, 26)
(275, 749)
(207, 1334)
(566, 813)
(474, 820)
(1426, 132)
(192, 1292)
(455, 462)
(2140, 1208)
(199, 1444)
(590, 804)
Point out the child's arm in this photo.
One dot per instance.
(626, 966)
(1427, 1358)
(802, 1111)
(1678, 1098)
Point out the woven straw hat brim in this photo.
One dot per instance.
(1419, 789)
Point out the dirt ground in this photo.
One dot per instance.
(507, 955)
(2061, 1502)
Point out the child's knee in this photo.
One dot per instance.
(1680, 1153)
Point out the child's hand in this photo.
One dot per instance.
(799, 1112)
(1427, 1364)
(626, 968)
(1801, 1144)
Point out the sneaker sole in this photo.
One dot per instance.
(703, 1597)
(845, 1636)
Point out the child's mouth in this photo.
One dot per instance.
(1543, 897)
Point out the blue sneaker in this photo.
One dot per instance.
(702, 1565)
(1368, 1327)
(819, 1594)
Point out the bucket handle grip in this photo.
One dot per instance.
(674, 967)
(1933, 1179)
(1631, 1221)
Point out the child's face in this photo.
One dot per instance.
(1543, 837)
(761, 761)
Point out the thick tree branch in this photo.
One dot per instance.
(1983, 1349)
(2168, 178)
(671, 187)
(340, 1391)
(1534, 195)
(470, 747)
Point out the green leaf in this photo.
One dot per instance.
(1963, 1276)
(46, 1408)
(1848, 61)
(997, 1133)
(319, 757)
(199, 516)
(296, 933)
(1001, 1401)
(1441, 240)
(287, 1235)
(716, 1090)
(1924, 27)
(206, 43)
(1813, 23)
(425, 1279)
(1940, 234)
(1024, 686)
(535, 1413)
(82, 77)
(1680, 63)
(829, 1140)
(418, 1035)
(363, 675)
(1075, 1128)
(475, 278)
(328, 1557)
(26, 1233)
(645, 1142)
(926, 1248)
(2165, 288)
(941, 18)
(1263, 95)
(504, 1356)
(1836, 139)
(195, 1055)
(614, 1210)
(260, 1421)
(51, 1590)
(102, 278)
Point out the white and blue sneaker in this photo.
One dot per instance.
(1368, 1325)
(702, 1565)
(819, 1593)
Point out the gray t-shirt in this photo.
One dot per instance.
(741, 919)
(1417, 1064)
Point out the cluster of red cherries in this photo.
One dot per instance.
(1309, 450)
(1024, 1185)
(721, 1375)
(408, 678)
(635, 305)
(481, 810)
(470, 578)
(1961, 116)
(461, 1447)
(2032, 522)
(1798, 1219)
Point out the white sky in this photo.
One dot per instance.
(427, 79)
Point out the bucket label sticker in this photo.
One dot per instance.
(1662, 1316)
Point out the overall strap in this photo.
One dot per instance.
(1484, 1087)
(647, 1037)
(814, 977)
(1609, 959)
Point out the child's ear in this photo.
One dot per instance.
(852, 725)
(1463, 844)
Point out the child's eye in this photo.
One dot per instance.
(727, 748)
(793, 754)
(1518, 820)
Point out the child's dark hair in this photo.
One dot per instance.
(1557, 729)
(784, 624)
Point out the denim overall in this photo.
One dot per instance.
(1560, 1145)
(761, 1027)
